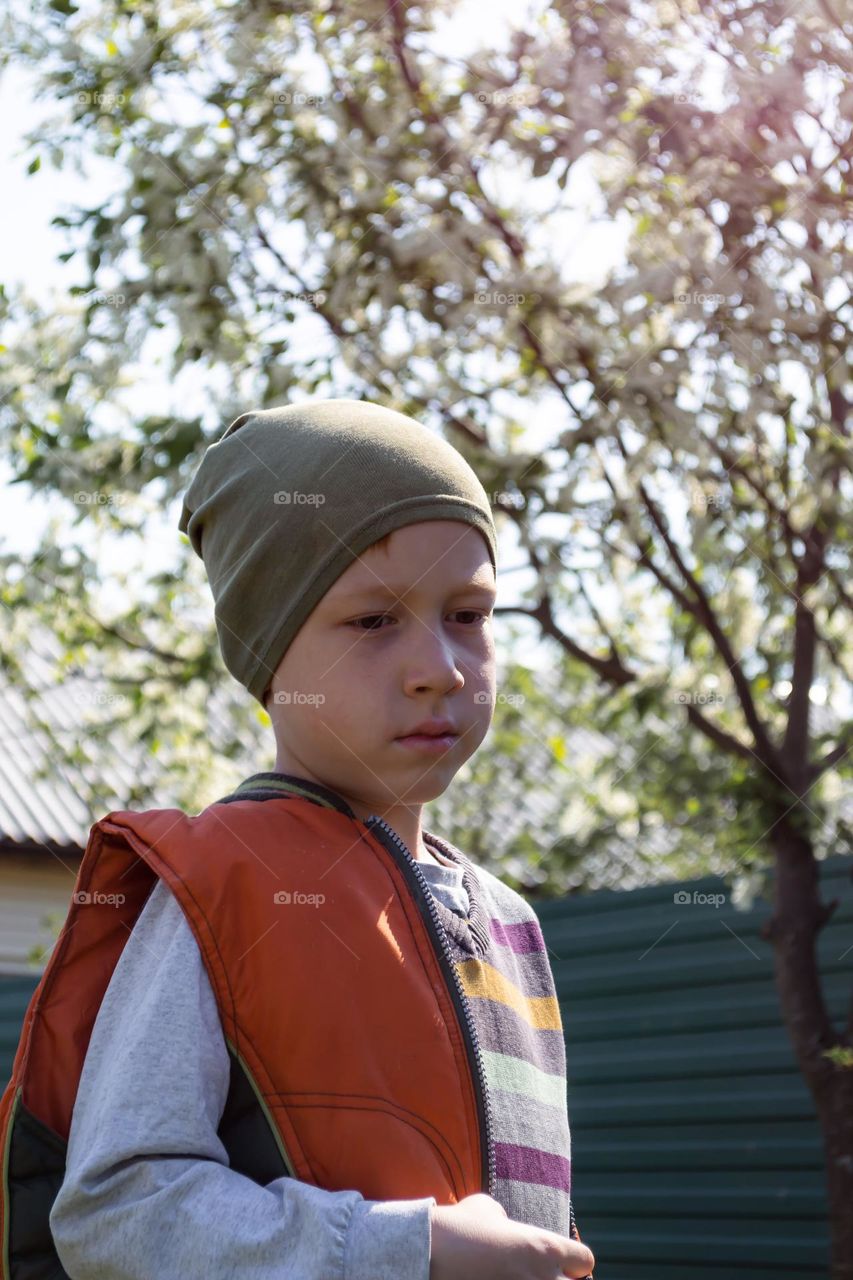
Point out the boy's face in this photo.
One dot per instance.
(403, 635)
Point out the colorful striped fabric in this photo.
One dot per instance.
(501, 958)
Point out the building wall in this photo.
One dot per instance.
(34, 897)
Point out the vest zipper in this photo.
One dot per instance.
(573, 1230)
(484, 1105)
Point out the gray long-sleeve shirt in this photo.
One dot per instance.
(148, 1192)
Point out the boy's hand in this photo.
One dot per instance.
(475, 1240)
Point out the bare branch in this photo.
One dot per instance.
(610, 670)
(717, 735)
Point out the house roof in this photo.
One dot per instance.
(42, 804)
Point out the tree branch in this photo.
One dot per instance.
(819, 767)
(609, 670)
(717, 735)
(765, 748)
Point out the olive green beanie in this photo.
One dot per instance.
(287, 498)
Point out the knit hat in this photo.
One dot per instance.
(287, 498)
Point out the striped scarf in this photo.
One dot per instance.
(501, 958)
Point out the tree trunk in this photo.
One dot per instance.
(798, 917)
(834, 1100)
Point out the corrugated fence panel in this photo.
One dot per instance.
(695, 1146)
(15, 992)
(695, 1149)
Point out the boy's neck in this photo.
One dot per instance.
(407, 824)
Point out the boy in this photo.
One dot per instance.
(330, 1048)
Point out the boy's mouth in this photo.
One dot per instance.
(430, 735)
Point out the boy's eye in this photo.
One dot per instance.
(373, 617)
(476, 614)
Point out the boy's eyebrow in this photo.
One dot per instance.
(380, 589)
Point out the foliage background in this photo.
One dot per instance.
(331, 200)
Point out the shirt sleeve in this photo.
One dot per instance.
(147, 1188)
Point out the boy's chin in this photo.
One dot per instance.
(428, 782)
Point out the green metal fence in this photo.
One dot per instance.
(15, 995)
(695, 1149)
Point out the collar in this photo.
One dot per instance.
(260, 786)
(472, 933)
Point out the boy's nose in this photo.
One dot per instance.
(431, 664)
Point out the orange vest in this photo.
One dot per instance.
(345, 1021)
